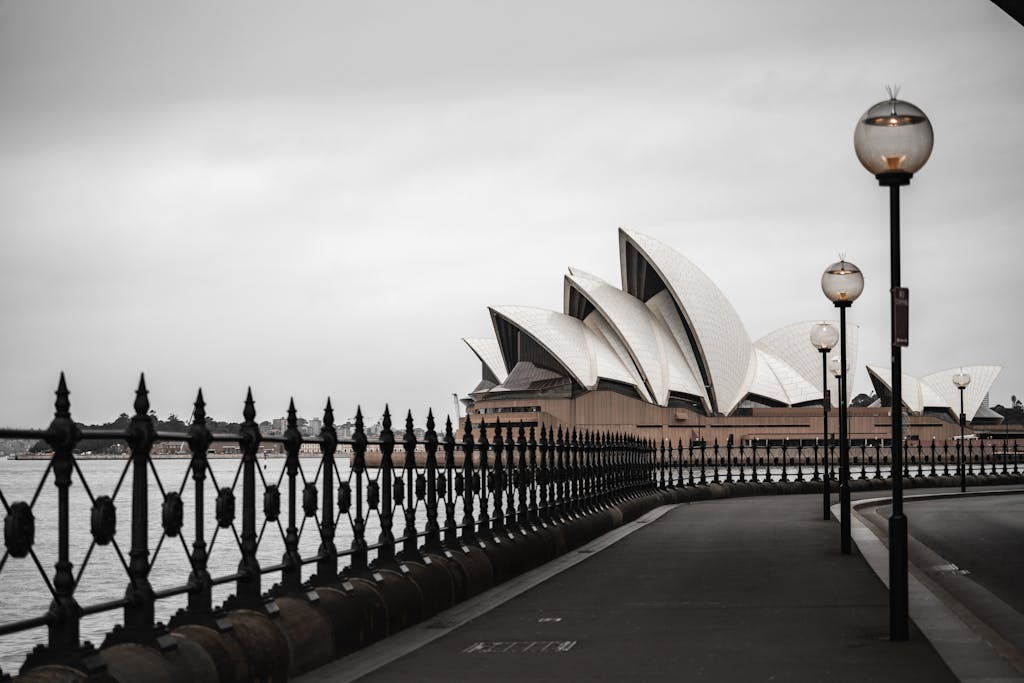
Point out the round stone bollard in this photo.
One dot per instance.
(227, 654)
(476, 567)
(308, 631)
(263, 643)
(349, 616)
(455, 571)
(376, 608)
(436, 583)
(502, 556)
(130, 662)
(403, 597)
(54, 673)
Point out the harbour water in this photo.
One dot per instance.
(24, 593)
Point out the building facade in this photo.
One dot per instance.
(666, 355)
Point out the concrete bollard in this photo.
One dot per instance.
(54, 673)
(401, 595)
(435, 582)
(263, 643)
(348, 615)
(227, 654)
(308, 632)
(455, 571)
(476, 567)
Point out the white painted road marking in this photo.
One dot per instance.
(519, 646)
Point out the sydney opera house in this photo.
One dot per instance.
(667, 356)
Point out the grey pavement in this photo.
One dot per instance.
(970, 615)
(741, 589)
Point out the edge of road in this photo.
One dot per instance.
(950, 620)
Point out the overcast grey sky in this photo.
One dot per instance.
(322, 198)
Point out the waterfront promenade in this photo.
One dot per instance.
(740, 589)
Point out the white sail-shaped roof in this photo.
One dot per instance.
(672, 336)
(578, 349)
(489, 353)
(651, 349)
(600, 326)
(797, 365)
(937, 390)
(718, 337)
(688, 375)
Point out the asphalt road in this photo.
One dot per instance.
(981, 534)
(746, 589)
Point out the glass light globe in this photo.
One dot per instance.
(835, 366)
(893, 136)
(961, 380)
(824, 336)
(842, 282)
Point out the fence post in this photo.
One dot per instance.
(522, 481)
(200, 602)
(468, 523)
(327, 564)
(291, 579)
(498, 481)
(139, 612)
(451, 529)
(248, 594)
(359, 563)
(410, 542)
(483, 476)
(728, 460)
(545, 476)
(799, 460)
(386, 539)
(532, 515)
(432, 542)
(63, 632)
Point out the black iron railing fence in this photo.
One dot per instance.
(497, 479)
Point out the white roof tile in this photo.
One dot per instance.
(722, 343)
(489, 353)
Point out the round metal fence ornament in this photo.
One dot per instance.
(225, 507)
(460, 483)
(442, 485)
(398, 490)
(344, 497)
(421, 486)
(173, 514)
(19, 529)
(309, 499)
(272, 503)
(103, 520)
(373, 495)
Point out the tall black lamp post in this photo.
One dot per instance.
(842, 283)
(893, 140)
(836, 368)
(823, 338)
(961, 380)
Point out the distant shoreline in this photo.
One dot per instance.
(372, 458)
(153, 456)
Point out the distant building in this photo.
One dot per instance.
(666, 356)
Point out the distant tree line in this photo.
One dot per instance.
(172, 424)
(1014, 415)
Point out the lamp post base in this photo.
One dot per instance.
(846, 544)
(899, 607)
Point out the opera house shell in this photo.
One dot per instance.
(664, 354)
(936, 391)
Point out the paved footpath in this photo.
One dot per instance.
(742, 589)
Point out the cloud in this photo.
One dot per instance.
(322, 201)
